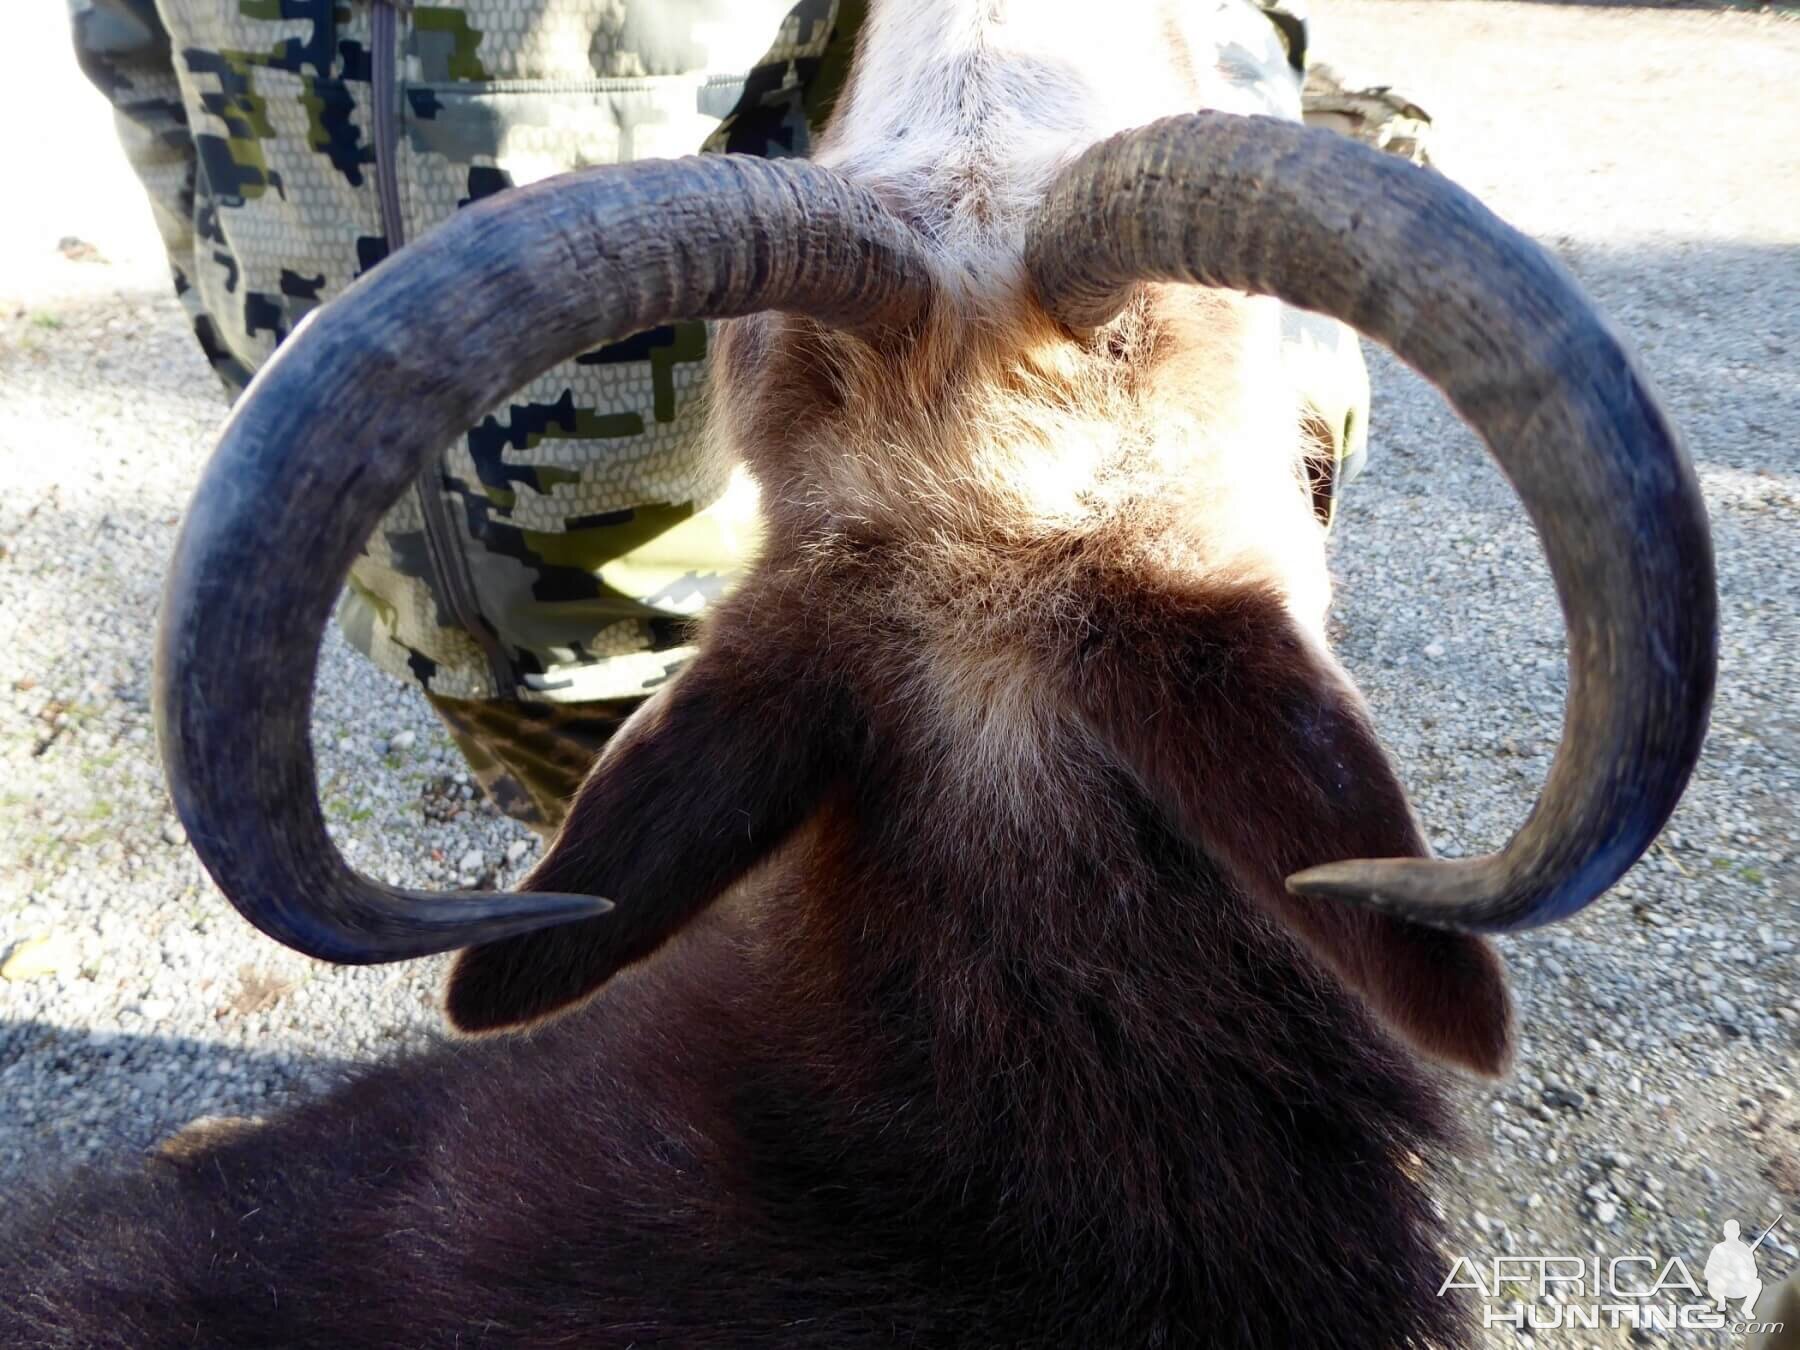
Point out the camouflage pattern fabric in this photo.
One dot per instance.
(1324, 356)
(1376, 116)
(540, 580)
(529, 758)
(1289, 18)
(559, 549)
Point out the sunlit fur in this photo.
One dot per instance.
(953, 997)
(957, 115)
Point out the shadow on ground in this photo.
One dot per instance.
(153, 1086)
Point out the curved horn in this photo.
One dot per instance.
(366, 393)
(1409, 259)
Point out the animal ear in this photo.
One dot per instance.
(1259, 749)
(698, 785)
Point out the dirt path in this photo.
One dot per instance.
(1653, 1097)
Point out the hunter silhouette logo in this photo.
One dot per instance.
(1545, 1291)
(1731, 1269)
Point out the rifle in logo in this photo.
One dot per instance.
(1731, 1269)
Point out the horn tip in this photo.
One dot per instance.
(1463, 895)
(472, 917)
(1360, 881)
(1431, 891)
(401, 925)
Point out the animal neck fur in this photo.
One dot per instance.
(992, 422)
(1036, 993)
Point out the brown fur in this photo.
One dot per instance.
(947, 581)
(953, 996)
(1011, 732)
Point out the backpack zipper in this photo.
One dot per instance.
(449, 568)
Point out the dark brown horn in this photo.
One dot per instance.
(362, 398)
(1403, 255)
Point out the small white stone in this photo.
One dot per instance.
(45, 954)
(404, 740)
(516, 850)
(471, 862)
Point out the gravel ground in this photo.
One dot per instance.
(1654, 1092)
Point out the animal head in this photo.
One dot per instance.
(1019, 290)
(988, 413)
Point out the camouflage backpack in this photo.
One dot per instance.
(539, 580)
(290, 145)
